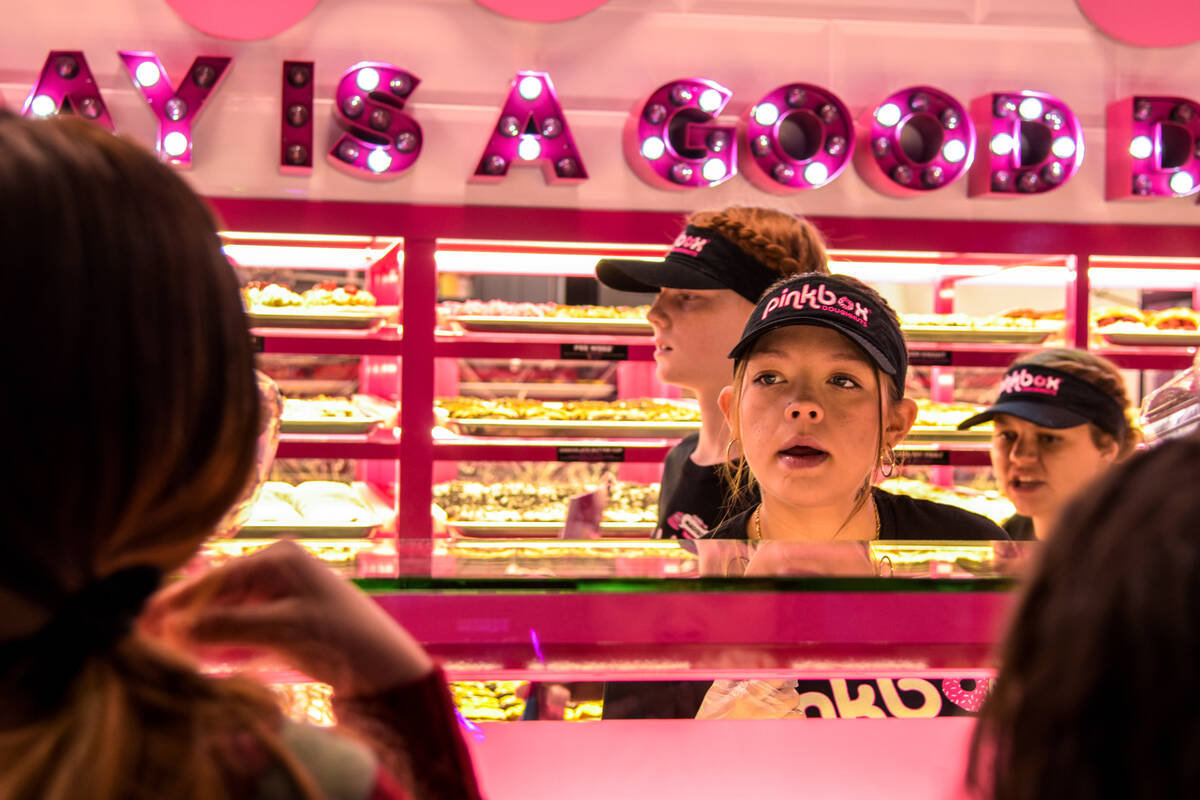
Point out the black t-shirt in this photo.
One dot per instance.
(901, 518)
(694, 499)
(1020, 528)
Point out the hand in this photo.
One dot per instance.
(283, 601)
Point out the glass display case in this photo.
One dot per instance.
(515, 404)
(533, 636)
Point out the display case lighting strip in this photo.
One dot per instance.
(1147, 278)
(298, 257)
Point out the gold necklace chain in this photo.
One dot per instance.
(758, 537)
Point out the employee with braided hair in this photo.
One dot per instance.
(711, 278)
(707, 285)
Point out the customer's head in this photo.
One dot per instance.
(817, 400)
(1098, 693)
(715, 272)
(1061, 418)
(134, 427)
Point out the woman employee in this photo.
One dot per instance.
(709, 281)
(1061, 420)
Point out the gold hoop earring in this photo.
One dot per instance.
(729, 448)
(887, 462)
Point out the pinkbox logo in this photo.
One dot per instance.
(819, 299)
(691, 245)
(1026, 381)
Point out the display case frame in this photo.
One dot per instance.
(421, 227)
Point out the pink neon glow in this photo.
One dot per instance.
(243, 21)
(1023, 152)
(540, 10)
(296, 122)
(67, 85)
(1152, 147)
(532, 129)
(917, 140)
(798, 137)
(175, 108)
(381, 141)
(1147, 23)
(670, 139)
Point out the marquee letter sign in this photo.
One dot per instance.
(175, 108)
(670, 140)
(800, 137)
(66, 85)
(1034, 144)
(381, 141)
(532, 129)
(1152, 147)
(917, 140)
(296, 126)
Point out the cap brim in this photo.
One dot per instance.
(873, 352)
(1043, 414)
(629, 275)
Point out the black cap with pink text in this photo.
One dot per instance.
(1053, 398)
(831, 301)
(698, 259)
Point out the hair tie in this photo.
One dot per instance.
(89, 622)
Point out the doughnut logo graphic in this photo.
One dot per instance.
(227, 19)
(540, 10)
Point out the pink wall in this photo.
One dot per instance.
(602, 64)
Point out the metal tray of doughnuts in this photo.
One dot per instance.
(584, 326)
(930, 433)
(963, 334)
(576, 428)
(546, 530)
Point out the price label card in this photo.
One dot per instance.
(924, 458)
(930, 358)
(599, 453)
(594, 352)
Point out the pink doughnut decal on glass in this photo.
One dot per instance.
(671, 140)
(381, 141)
(296, 123)
(1033, 144)
(176, 108)
(67, 85)
(798, 137)
(1153, 147)
(918, 140)
(531, 130)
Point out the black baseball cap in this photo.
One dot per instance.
(1053, 398)
(699, 258)
(830, 301)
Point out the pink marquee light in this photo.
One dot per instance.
(670, 139)
(381, 141)
(296, 124)
(917, 140)
(176, 108)
(533, 130)
(1033, 143)
(1153, 147)
(67, 85)
(798, 136)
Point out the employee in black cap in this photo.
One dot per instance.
(1061, 420)
(817, 403)
(712, 276)
(817, 406)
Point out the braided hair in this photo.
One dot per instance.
(785, 243)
